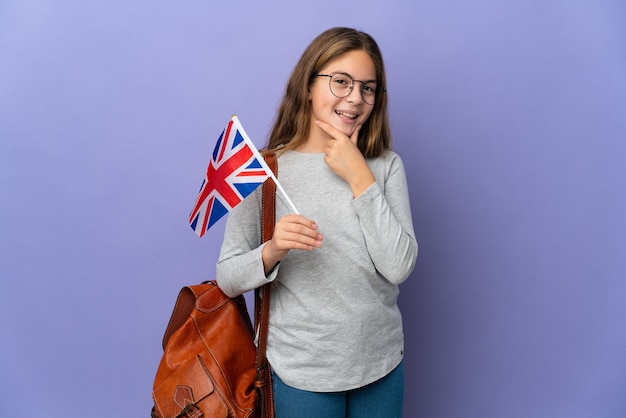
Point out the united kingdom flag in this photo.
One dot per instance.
(235, 170)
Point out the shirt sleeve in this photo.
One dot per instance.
(384, 213)
(240, 265)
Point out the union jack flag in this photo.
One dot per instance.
(235, 170)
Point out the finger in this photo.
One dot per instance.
(287, 239)
(330, 130)
(301, 242)
(297, 228)
(299, 219)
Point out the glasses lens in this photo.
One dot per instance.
(341, 86)
(368, 91)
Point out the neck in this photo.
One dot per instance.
(316, 141)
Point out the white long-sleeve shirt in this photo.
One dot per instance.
(334, 320)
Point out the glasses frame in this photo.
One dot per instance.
(363, 83)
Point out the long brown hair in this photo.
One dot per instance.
(293, 119)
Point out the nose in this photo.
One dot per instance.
(353, 97)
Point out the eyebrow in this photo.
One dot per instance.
(350, 75)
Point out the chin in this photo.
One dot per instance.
(347, 130)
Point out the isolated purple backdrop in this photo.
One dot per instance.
(510, 117)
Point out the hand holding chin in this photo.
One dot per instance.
(345, 159)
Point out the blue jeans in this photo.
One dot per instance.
(382, 398)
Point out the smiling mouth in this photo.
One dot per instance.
(349, 116)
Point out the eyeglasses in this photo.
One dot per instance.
(341, 85)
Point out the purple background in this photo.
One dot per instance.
(511, 120)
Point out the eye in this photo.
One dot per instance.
(368, 88)
(342, 80)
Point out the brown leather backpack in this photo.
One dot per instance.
(209, 359)
(210, 365)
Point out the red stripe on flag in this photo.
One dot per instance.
(252, 173)
(225, 170)
(225, 141)
(216, 180)
(207, 214)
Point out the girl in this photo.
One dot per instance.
(335, 340)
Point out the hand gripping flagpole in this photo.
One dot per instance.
(264, 164)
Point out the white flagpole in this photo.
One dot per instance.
(264, 164)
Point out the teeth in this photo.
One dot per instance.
(346, 115)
